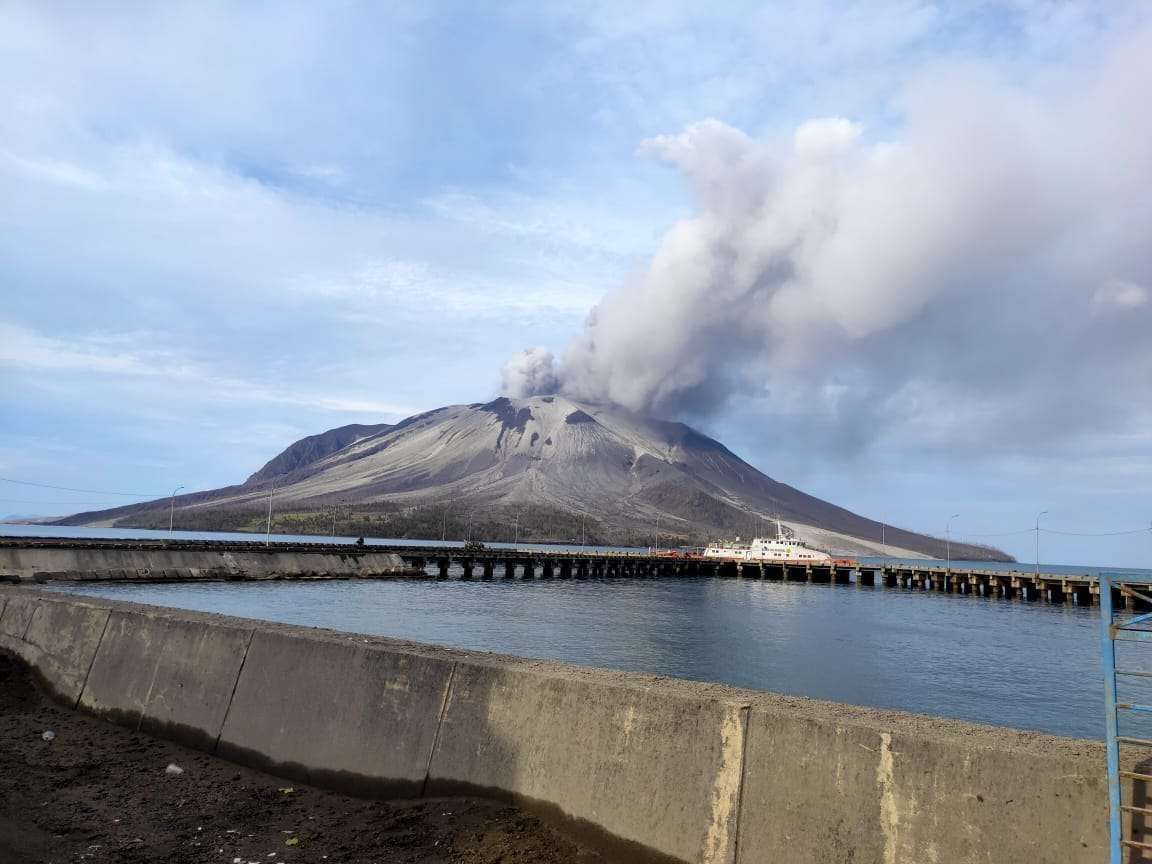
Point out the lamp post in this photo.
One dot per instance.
(335, 507)
(516, 528)
(582, 517)
(172, 507)
(657, 533)
(1038, 515)
(948, 543)
(268, 527)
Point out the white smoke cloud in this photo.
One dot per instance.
(528, 373)
(848, 275)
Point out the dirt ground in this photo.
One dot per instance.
(100, 793)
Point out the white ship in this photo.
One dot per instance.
(776, 548)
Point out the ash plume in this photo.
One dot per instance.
(963, 275)
(528, 373)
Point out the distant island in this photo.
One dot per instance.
(540, 469)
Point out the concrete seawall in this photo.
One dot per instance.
(667, 769)
(159, 563)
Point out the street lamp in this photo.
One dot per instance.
(1038, 515)
(268, 528)
(948, 543)
(657, 533)
(516, 528)
(172, 507)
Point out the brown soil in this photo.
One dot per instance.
(100, 793)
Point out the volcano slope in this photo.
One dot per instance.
(550, 452)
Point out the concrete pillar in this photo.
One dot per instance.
(509, 568)
(487, 568)
(466, 563)
(442, 565)
(866, 578)
(529, 569)
(546, 570)
(841, 575)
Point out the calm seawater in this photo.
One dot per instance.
(1026, 665)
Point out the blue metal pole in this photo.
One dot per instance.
(1108, 662)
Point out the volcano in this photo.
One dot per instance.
(615, 466)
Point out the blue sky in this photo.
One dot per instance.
(227, 226)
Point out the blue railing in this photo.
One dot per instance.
(1116, 626)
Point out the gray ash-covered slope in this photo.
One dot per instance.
(550, 451)
(316, 447)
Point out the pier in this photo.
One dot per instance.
(48, 559)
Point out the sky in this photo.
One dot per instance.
(893, 253)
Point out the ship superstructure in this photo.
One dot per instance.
(778, 548)
(767, 549)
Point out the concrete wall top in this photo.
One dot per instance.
(689, 771)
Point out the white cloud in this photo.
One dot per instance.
(116, 355)
(825, 137)
(1120, 294)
